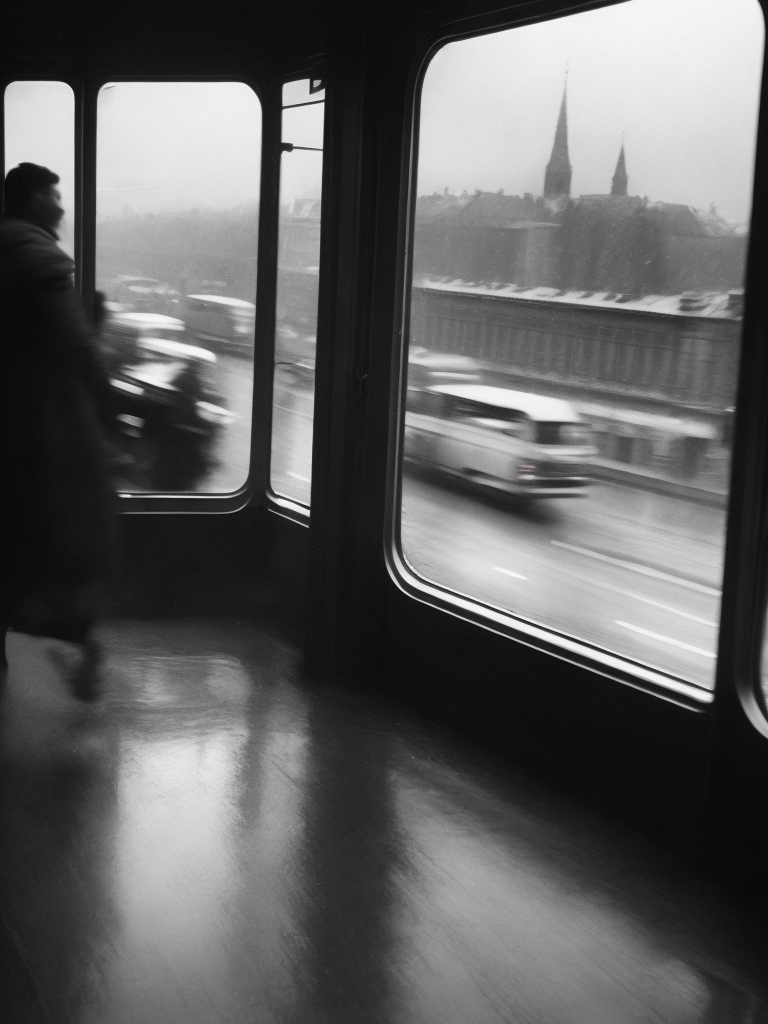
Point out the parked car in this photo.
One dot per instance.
(513, 441)
(226, 324)
(168, 403)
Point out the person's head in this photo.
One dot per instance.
(31, 193)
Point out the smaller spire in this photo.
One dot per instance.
(620, 180)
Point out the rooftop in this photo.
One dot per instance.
(538, 407)
(723, 305)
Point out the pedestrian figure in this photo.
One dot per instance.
(57, 514)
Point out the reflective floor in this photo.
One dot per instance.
(219, 842)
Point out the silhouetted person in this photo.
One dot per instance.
(57, 518)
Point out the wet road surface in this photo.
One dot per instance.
(631, 571)
(636, 573)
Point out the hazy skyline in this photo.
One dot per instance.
(165, 146)
(678, 79)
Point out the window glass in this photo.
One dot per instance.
(298, 269)
(300, 92)
(764, 669)
(581, 212)
(177, 231)
(40, 129)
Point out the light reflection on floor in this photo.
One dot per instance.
(218, 841)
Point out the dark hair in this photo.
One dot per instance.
(21, 182)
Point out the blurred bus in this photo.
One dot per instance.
(511, 441)
(227, 324)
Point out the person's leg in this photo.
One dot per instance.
(86, 683)
(85, 680)
(3, 656)
(5, 625)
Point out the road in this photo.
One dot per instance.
(293, 409)
(635, 572)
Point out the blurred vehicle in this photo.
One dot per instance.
(143, 294)
(227, 324)
(122, 330)
(168, 405)
(426, 367)
(512, 441)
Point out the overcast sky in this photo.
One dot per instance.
(166, 146)
(678, 78)
(40, 129)
(177, 145)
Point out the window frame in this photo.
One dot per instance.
(745, 580)
(86, 82)
(292, 508)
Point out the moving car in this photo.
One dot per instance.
(512, 441)
(122, 330)
(168, 405)
(426, 367)
(228, 324)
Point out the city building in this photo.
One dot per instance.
(629, 307)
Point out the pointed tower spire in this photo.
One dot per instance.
(620, 180)
(557, 177)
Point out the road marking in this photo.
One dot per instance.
(637, 597)
(298, 476)
(644, 570)
(508, 572)
(665, 639)
(304, 415)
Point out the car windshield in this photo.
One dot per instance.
(159, 372)
(549, 432)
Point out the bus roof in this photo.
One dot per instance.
(223, 300)
(537, 407)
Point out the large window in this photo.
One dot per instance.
(579, 243)
(40, 129)
(298, 261)
(177, 228)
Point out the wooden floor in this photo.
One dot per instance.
(220, 842)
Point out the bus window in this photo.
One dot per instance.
(177, 216)
(581, 239)
(298, 276)
(40, 129)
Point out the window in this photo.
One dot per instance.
(298, 261)
(579, 240)
(40, 129)
(177, 229)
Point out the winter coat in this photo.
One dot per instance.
(57, 515)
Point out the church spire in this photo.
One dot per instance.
(557, 177)
(620, 180)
